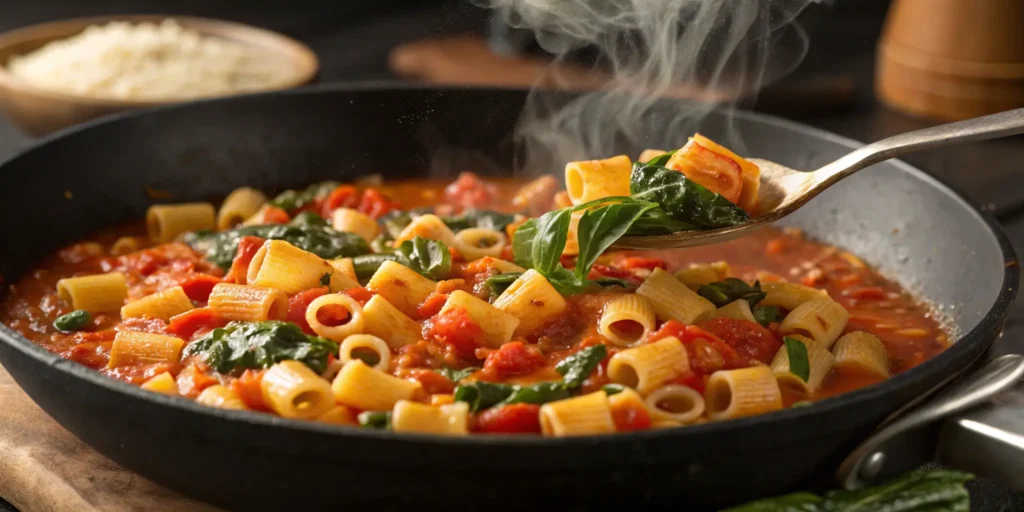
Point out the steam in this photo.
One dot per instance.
(713, 51)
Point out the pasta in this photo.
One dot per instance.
(697, 275)
(292, 390)
(166, 221)
(532, 300)
(132, 347)
(241, 203)
(502, 266)
(357, 385)
(281, 265)
(594, 179)
(677, 403)
(161, 383)
(248, 303)
(647, 367)
(401, 286)
(627, 403)
(738, 310)
(496, 325)
(427, 226)
(163, 304)
(125, 245)
(647, 154)
(626, 320)
(335, 307)
(790, 295)
(220, 397)
(386, 322)
(96, 293)
(343, 267)
(731, 394)
(370, 347)
(672, 300)
(862, 351)
(476, 243)
(448, 419)
(820, 320)
(819, 361)
(583, 415)
(354, 221)
(338, 415)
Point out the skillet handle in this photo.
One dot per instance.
(999, 375)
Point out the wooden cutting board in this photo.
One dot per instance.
(45, 468)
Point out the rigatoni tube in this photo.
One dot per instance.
(292, 390)
(386, 322)
(427, 226)
(496, 325)
(241, 203)
(677, 403)
(790, 295)
(819, 362)
(133, 347)
(161, 383)
(593, 179)
(165, 222)
(626, 320)
(582, 415)
(673, 300)
(163, 305)
(357, 385)
(532, 300)
(821, 320)
(368, 348)
(744, 392)
(335, 316)
(279, 264)
(647, 367)
(248, 303)
(402, 286)
(448, 419)
(864, 352)
(96, 293)
(476, 243)
(220, 397)
(356, 222)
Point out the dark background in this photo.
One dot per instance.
(352, 40)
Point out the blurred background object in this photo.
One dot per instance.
(950, 59)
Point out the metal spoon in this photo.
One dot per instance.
(783, 190)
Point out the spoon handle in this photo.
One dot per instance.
(991, 126)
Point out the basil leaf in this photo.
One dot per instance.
(381, 244)
(221, 248)
(683, 199)
(376, 420)
(611, 281)
(549, 242)
(522, 243)
(497, 285)
(290, 200)
(566, 282)
(662, 159)
(427, 257)
(394, 222)
(308, 218)
(730, 289)
(656, 222)
(577, 367)
(73, 321)
(798, 363)
(917, 490)
(600, 228)
(766, 314)
(456, 375)
(472, 218)
(260, 345)
(613, 389)
(540, 393)
(366, 264)
(795, 502)
(481, 394)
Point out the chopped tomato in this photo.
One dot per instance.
(199, 286)
(715, 172)
(455, 328)
(143, 324)
(341, 197)
(631, 418)
(192, 381)
(515, 358)
(248, 246)
(707, 352)
(456, 255)
(868, 293)
(298, 303)
(748, 338)
(248, 388)
(432, 304)
(692, 380)
(632, 262)
(194, 323)
(144, 262)
(375, 204)
(510, 419)
(432, 382)
(361, 295)
(274, 215)
(94, 354)
(469, 191)
(597, 271)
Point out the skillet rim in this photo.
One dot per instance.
(989, 325)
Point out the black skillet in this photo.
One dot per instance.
(896, 217)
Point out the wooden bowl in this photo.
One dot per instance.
(39, 111)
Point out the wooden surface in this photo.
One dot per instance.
(45, 468)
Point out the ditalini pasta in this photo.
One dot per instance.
(96, 293)
(166, 221)
(476, 307)
(672, 300)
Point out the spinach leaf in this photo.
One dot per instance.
(290, 200)
(656, 222)
(577, 367)
(766, 314)
(376, 420)
(497, 285)
(325, 279)
(394, 222)
(549, 242)
(798, 362)
(661, 160)
(522, 243)
(366, 264)
(73, 321)
(308, 218)
(683, 199)
(723, 292)
(613, 389)
(220, 248)
(456, 375)
(611, 281)
(260, 345)
(540, 393)
(381, 244)
(601, 227)
(795, 502)
(472, 218)
(428, 257)
(481, 394)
